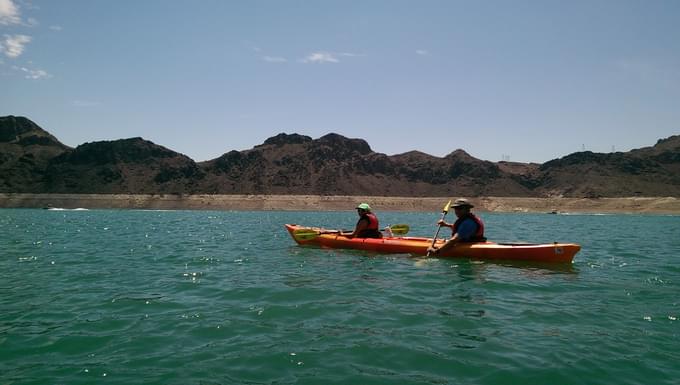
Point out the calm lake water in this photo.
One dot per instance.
(210, 297)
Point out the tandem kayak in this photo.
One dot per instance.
(326, 238)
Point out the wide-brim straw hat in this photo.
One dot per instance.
(462, 202)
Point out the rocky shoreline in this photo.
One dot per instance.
(651, 205)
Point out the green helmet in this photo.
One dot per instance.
(364, 206)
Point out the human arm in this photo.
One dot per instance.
(446, 246)
(463, 233)
(362, 225)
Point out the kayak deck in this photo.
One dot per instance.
(546, 252)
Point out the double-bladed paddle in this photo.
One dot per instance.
(307, 234)
(439, 226)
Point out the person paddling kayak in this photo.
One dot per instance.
(367, 226)
(467, 228)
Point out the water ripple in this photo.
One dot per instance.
(179, 297)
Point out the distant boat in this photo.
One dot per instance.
(63, 209)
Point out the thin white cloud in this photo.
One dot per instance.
(13, 45)
(320, 58)
(422, 52)
(347, 54)
(274, 59)
(9, 13)
(33, 74)
(56, 28)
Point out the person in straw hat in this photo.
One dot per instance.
(467, 228)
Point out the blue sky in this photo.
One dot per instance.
(525, 80)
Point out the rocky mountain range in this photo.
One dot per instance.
(34, 161)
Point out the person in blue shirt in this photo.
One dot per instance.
(467, 228)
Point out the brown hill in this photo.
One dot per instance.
(650, 171)
(35, 161)
(122, 166)
(25, 153)
(335, 165)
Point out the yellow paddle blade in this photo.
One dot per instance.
(400, 229)
(447, 207)
(305, 234)
(309, 234)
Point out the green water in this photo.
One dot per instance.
(209, 297)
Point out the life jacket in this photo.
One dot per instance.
(372, 230)
(478, 236)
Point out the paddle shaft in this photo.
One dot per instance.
(439, 227)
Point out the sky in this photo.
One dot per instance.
(525, 81)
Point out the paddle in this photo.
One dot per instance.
(400, 229)
(307, 234)
(439, 227)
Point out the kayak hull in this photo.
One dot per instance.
(546, 252)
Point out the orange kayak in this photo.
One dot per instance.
(546, 252)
